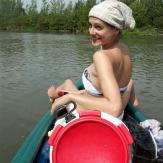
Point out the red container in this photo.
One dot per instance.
(93, 137)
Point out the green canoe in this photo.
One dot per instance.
(29, 149)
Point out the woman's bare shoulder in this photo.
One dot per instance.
(103, 53)
(124, 48)
(107, 57)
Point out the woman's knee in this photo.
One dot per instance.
(68, 82)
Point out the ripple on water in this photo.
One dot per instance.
(30, 62)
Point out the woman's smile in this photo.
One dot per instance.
(102, 33)
(94, 38)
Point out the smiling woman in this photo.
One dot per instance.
(107, 81)
(96, 27)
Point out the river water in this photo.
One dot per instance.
(30, 62)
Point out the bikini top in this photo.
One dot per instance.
(89, 87)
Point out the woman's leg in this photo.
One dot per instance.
(67, 86)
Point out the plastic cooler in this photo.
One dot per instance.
(92, 137)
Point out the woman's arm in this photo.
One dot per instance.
(85, 102)
(126, 96)
(104, 67)
(133, 100)
(111, 102)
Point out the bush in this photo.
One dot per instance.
(158, 22)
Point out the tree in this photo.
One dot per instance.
(69, 17)
(145, 11)
(43, 17)
(128, 2)
(80, 16)
(140, 12)
(10, 12)
(32, 14)
(57, 6)
(55, 15)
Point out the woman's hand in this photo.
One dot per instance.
(65, 98)
(60, 101)
(52, 93)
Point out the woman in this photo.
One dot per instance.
(107, 81)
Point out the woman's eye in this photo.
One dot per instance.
(90, 25)
(98, 28)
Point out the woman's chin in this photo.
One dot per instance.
(96, 44)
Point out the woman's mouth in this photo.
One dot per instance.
(94, 39)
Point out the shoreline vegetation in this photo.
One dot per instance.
(147, 31)
(57, 17)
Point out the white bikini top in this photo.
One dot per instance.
(89, 87)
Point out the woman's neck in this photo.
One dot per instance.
(110, 46)
(113, 43)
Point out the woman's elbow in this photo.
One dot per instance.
(136, 102)
(117, 109)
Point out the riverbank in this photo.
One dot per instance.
(145, 31)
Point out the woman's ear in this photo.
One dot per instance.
(117, 31)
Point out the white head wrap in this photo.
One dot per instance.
(114, 13)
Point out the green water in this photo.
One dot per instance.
(30, 62)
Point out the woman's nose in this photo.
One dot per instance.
(91, 31)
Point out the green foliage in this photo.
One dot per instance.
(139, 13)
(145, 11)
(57, 6)
(54, 15)
(158, 22)
(43, 19)
(32, 14)
(69, 16)
(10, 11)
(128, 2)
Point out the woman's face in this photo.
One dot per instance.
(102, 34)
